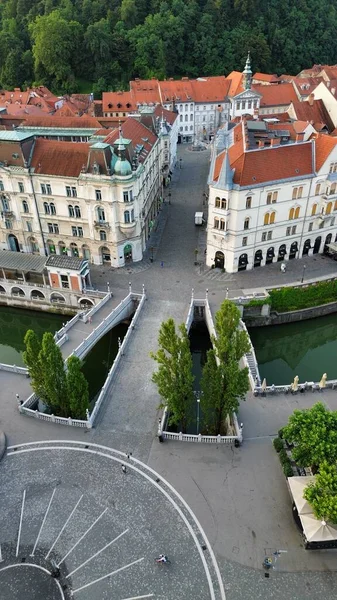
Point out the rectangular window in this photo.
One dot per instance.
(98, 194)
(8, 224)
(68, 190)
(50, 228)
(317, 189)
(244, 241)
(48, 188)
(29, 226)
(274, 198)
(56, 228)
(126, 196)
(222, 224)
(1, 185)
(43, 188)
(74, 231)
(80, 231)
(264, 236)
(249, 202)
(269, 196)
(293, 229)
(269, 235)
(21, 187)
(310, 226)
(332, 222)
(288, 231)
(64, 281)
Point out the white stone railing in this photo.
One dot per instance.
(308, 386)
(116, 362)
(104, 326)
(25, 409)
(97, 307)
(60, 336)
(14, 369)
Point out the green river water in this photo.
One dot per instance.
(14, 323)
(307, 349)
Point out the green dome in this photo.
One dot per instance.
(122, 167)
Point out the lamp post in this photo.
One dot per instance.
(198, 414)
(303, 272)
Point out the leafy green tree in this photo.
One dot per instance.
(224, 383)
(322, 493)
(56, 43)
(31, 357)
(314, 433)
(174, 377)
(77, 389)
(54, 378)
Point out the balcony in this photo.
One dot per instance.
(102, 225)
(7, 214)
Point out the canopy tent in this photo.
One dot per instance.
(316, 531)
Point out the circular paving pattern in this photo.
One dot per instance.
(86, 521)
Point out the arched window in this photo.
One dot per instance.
(101, 214)
(297, 212)
(71, 210)
(216, 223)
(294, 193)
(313, 210)
(246, 223)
(272, 218)
(222, 224)
(74, 250)
(102, 235)
(25, 206)
(328, 208)
(217, 202)
(224, 203)
(52, 208)
(46, 208)
(317, 189)
(126, 216)
(77, 212)
(291, 213)
(266, 219)
(335, 205)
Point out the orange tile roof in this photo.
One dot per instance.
(314, 112)
(110, 100)
(84, 122)
(324, 145)
(137, 133)
(179, 90)
(145, 91)
(210, 89)
(18, 110)
(235, 78)
(169, 115)
(265, 77)
(276, 95)
(59, 158)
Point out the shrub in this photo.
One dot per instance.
(296, 298)
(283, 456)
(258, 302)
(278, 444)
(280, 433)
(287, 468)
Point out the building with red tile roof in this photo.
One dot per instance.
(270, 203)
(275, 98)
(264, 79)
(313, 111)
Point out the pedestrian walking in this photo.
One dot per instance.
(162, 264)
(90, 320)
(124, 468)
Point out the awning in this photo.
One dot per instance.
(332, 246)
(315, 530)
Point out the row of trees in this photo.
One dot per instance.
(314, 433)
(224, 383)
(59, 42)
(63, 389)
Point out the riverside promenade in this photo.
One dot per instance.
(239, 495)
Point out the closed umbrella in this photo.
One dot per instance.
(264, 385)
(294, 385)
(322, 383)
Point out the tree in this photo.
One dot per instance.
(224, 383)
(322, 493)
(55, 46)
(54, 376)
(314, 433)
(174, 377)
(31, 357)
(77, 389)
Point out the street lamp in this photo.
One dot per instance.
(303, 271)
(198, 414)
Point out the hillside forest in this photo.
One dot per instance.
(94, 45)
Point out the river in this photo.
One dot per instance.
(14, 323)
(307, 349)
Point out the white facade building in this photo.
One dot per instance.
(272, 203)
(98, 201)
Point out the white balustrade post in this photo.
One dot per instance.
(206, 293)
(192, 297)
(130, 287)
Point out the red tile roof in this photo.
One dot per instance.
(265, 77)
(210, 89)
(178, 90)
(276, 95)
(145, 91)
(137, 133)
(84, 122)
(169, 115)
(314, 112)
(235, 78)
(59, 158)
(110, 100)
(324, 145)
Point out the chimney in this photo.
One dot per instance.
(311, 99)
(275, 141)
(299, 137)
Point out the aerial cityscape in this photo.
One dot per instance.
(168, 301)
